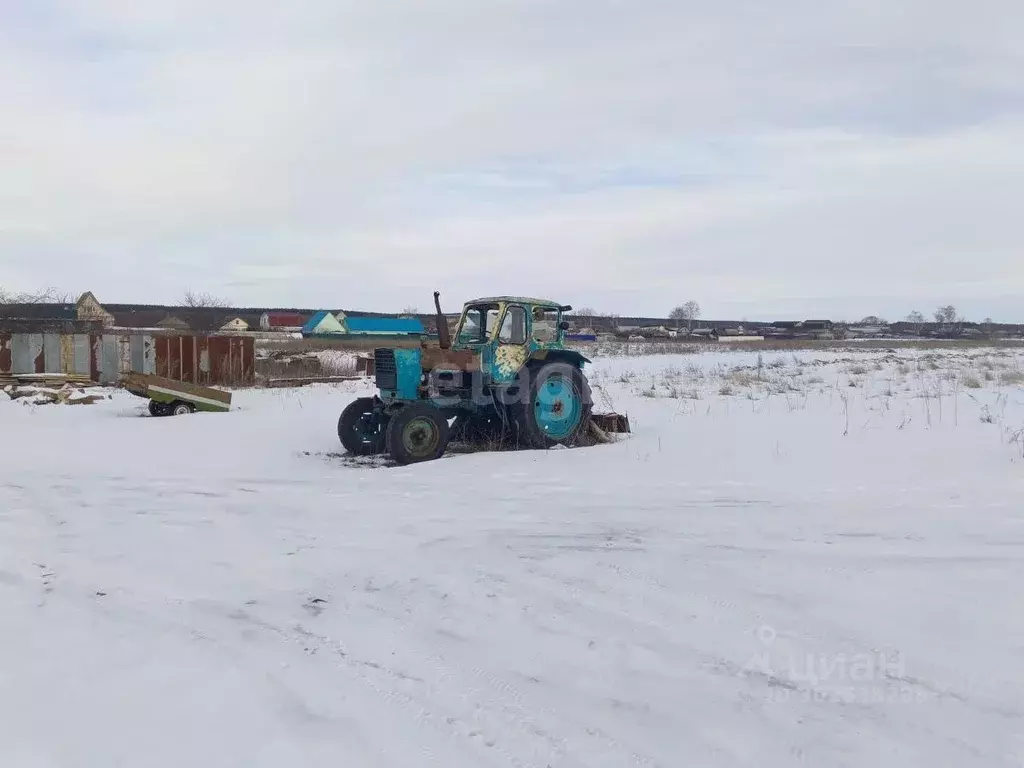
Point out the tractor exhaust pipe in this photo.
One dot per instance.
(444, 335)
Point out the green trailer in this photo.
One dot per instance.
(169, 397)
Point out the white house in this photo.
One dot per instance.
(235, 324)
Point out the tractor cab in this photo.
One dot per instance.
(508, 331)
(510, 320)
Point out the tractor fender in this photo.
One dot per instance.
(570, 356)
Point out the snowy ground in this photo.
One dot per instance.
(812, 559)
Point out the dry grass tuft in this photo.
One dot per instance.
(743, 378)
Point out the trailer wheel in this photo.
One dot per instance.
(181, 409)
(156, 409)
(557, 408)
(362, 428)
(417, 432)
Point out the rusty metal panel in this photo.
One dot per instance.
(5, 353)
(51, 353)
(188, 358)
(160, 344)
(203, 359)
(220, 358)
(81, 355)
(109, 359)
(39, 362)
(174, 357)
(249, 345)
(229, 359)
(95, 347)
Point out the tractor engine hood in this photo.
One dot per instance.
(399, 371)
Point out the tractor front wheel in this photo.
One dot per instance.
(555, 406)
(417, 432)
(361, 428)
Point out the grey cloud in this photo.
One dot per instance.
(616, 153)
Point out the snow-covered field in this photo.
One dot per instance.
(804, 559)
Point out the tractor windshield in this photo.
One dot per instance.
(545, 324)
(477, 324)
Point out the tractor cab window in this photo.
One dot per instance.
(545, 324)
(478, 324)
(513, 329)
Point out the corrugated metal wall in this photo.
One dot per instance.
(104, 358)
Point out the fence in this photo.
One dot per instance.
(106, 357)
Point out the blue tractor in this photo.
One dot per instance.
(506, 376)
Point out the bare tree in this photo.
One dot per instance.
(45, 296)
(410, 311)
(203, 299)
(585, 312)
(917, 319)
(689, 312)
(950, 321)
(872, 320)
(947, 315)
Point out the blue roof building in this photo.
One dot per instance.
(322, 324)
(387, 326)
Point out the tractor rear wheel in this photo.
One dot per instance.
(417, 432)
(362, 428)
(555, 406)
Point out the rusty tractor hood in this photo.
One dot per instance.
(451, 359)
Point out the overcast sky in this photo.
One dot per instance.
(791, 158)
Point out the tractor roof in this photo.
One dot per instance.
(515, 300)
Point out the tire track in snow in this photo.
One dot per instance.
(446, 724)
